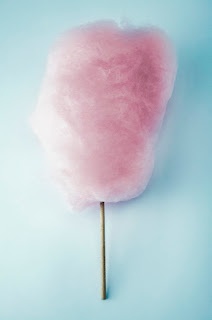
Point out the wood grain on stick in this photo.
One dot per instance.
(103, 269)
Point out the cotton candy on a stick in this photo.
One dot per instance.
(101, 106)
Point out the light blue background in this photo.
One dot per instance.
(158, 245)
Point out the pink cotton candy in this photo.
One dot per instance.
(101, 106)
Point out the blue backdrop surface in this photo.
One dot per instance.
(158, 245)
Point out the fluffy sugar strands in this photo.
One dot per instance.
(101, 106)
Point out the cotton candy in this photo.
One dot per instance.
(101, 106)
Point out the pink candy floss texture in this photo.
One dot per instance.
(101, 106)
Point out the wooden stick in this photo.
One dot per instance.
(103, 271)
